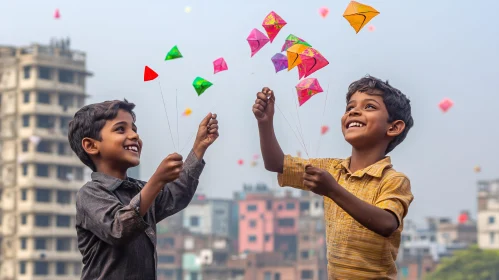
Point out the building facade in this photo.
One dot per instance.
(488, 214)
(208, 216)
(41, 88)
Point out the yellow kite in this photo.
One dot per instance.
(358, 15)
(294, 55)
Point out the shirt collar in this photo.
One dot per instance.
(109, 182)
(374, 170)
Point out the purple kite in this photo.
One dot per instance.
(280, 62)
(256, 40)
(220, 65)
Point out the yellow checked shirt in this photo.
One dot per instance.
(353, 251)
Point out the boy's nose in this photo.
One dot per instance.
(354, 112)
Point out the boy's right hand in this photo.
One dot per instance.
(263, 109)
(169, 169)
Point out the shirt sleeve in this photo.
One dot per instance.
(106, 217)
(395, 196)
(294, 168)
(175, 196)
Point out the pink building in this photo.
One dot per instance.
(268, 223)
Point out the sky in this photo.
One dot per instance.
(428, 49)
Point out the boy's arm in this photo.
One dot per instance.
(106, 217)
(273, 156)
(175, 196)
(389, 210)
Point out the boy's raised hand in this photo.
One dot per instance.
(263, 109)
(207, 134)
(169, 169)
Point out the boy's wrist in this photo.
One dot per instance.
(199, 150)
(156, 182)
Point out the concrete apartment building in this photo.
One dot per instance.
(41, 88)
(488, 214)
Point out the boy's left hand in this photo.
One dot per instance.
(207, 134)
(318, 180)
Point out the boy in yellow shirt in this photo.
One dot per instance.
(365, 199)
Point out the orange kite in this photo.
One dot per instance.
(358, 15)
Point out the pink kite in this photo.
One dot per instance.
(256, 156)
(445, 104)
(272, 24)
(371, 28)
(301, 70)
(256, 39)
(324, 12)
(312, 60)
(220, 65)
(57, 15)
(280, 62)
(306, 88)
(324, 129)
(240, 162)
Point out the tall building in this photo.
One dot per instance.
(41, 88)
(208, 216)
(488, 214)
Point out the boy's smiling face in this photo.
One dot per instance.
(365, 122)
(120, 146)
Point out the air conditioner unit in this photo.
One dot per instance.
(206, 256)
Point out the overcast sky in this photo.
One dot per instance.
(428, 49)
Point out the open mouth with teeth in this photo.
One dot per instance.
(132, 148)
(354, 124)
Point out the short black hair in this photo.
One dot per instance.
(397, 104)
(89, 121)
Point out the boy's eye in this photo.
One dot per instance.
(349, 108)
(369, 106)
(120, 128)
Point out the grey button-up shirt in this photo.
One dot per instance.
(116, 243)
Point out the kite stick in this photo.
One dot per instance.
(164, 106)
(322, 119)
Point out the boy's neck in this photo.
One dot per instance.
(120, 174)
(361, 159)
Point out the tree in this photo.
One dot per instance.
(470, 264)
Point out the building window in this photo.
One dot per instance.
(23, 243)
(304, 254)
(65, 123)
(304, 205)
(63, 244)
(27, 72)
(40, 243)
(60, 268)
(307, 274)
(79, 173)
(25, 169)
(63, 221)
(252, 238)
(25, 120)
(44, 73)
(24, 195)
(279, 207)
(66, 76)
(277, 276)
(267, 237)
(269, 205)
(194, 221)
(252, 223)
(286, 222)
(42, 195)
(219, 211)
(64, 197)
(63, 172)
(66, 101)
(22, 267)
(268, 275)
(42, 220)
(44, 121)
(26, 95)
(44, 147)
(25, 145)
(62, 149)
(317, 204)
(42, 170)
(251, 208)
(290, 205)
(77, 268)
(492, 237)
(194, 276)
(305, 238)
(43, 97)
(492, 220)
(166, 259)
(24, 219)
(41, 268)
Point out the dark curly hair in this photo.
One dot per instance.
(397, 104)
(89, 121)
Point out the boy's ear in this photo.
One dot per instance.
(395, 128)
(91, 146)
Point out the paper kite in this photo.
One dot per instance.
(219, 65)
(200, 85)
(294, 55)
(324, 12)
(477, 169)
(292, 40)
(256, 156)
(312, 60)
(445, 104)
(371, 28)
(358, 15)
(253, 163)
(272, 24)
(174, 53)
(256, 39)
(280, 62)
(57, 15)
(324, 129)
(240, 162)
(187, 112)
(306, 88)
(301, 70)
(149, 74)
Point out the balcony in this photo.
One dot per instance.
(54, 183)
(51, 158)
(51, 207)
(31, 230)
(48, 255)
(50, 134)
(47, 109)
